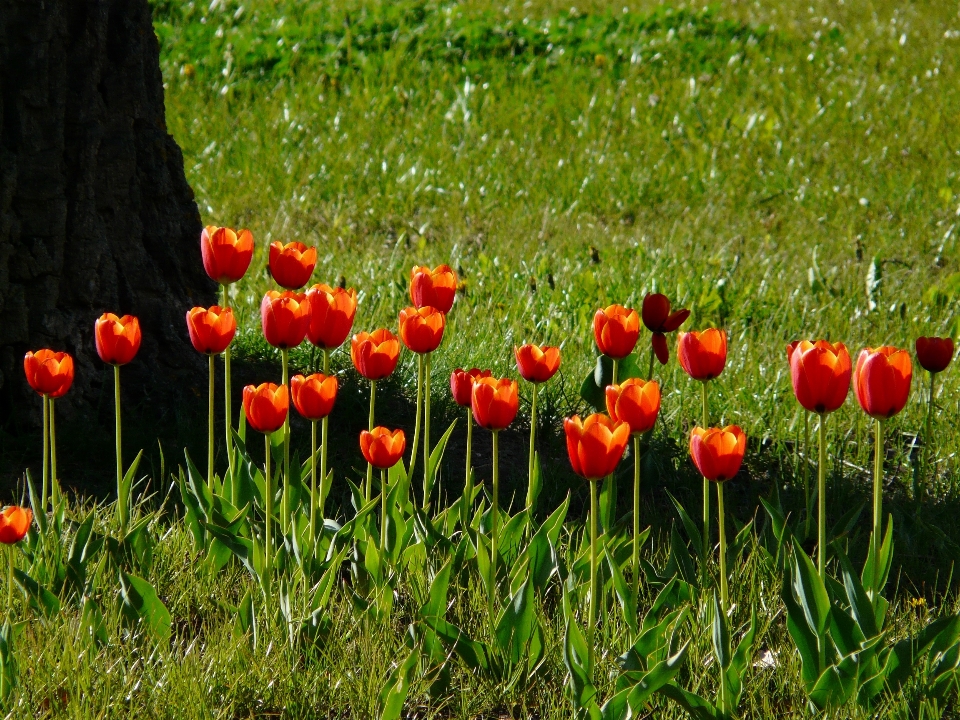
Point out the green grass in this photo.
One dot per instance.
(784, 170)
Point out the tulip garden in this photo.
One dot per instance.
(517, 445)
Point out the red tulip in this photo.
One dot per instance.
(375, 354)
(702, 354)
(616, 329)
(332, 311)
(266, 406)
(595, 445)
(211, 331)
(718, 452)
(494, 402)
(117, 339)
(292, 264)
(790, 348)
(433, 288)
(382, 448)
(659, 320)
(820, 373)
(285, 318)
(313, 396)
(422, 329)
(226, 253)
(49, 373)
(934, 353)
(537, 364)
(635, 402)
(881, 381)
(14, 524)
(461, 384)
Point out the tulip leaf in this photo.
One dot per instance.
(393, 694)
(740, 661)
(40, 598)
(804, 637)
(624, 592)
(691, 528)
(245, 624)
(39, 513)
(695, 706)
(126, 485)
(436, 456)
(811, 591)
(92, 622)
(515, 626)
(721, 635)
(141, 604)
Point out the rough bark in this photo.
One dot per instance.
(95, 211)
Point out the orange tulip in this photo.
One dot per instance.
(635, 402)
(266, 406)
(881, 381)
(934, 353)
(790, 348)
(375, 354)
(49, 373)
(332, 313)
(537, 364)
(595, 445)
(702, 354)
(820, 373)
(285, 318)
(292, 264)
(461, 384)
(211, 331)
(313, 396)
(422, 329)
(659, 320)
(718, 452)
(117, 339)
(616, 329)
(226, 253)
(382, 448)
(433, 288)
(495, 402)
(14, 524)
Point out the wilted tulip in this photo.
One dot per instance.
(291, 265)
(659, 321)
(211, 330)
(433, 288)
(226, 253)
(616, 329)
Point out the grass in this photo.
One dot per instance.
(784, 170)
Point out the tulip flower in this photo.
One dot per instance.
(291, 265)
(461, 388)
(820, 373)
(494, 402)
(382, 449)
(616, 329)
(266, 408)
(703, 355)
(226, 253)
(595, 447)
(718, 455)
(433, 288)
(14, 526)
(536, 365)
(933, 354)
(50, 374)
(313, 397)
(659, 320)
(118, 340)
(374, 356)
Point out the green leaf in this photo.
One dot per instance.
(515, 624)
(691, 528)
(740, 662)
(860, 604)
(245, 623)
(126, 485)
(624, 592)
(694, 705)
(393, 693)
(811, 591)
(91, 620)
(39, 513)
(721, 635)
(141, 604)
(658, 676)
(40, 598)
(436, 456)
(804, 637)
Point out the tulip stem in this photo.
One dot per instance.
(416, 424)
(877, 502)
(494, 517)
(54, 484)
(821, 498)
(806, 472)
(46, 454)
(592, 606)
(636, 514)
(706, 483)
(530, 466)
(268, 516)
(122, 500)
(427, 478)
(928, 436)
(383, 511)
(724, 595)
(210, 422)
(228, 411)
(609, 512)
(652, 355)
(9, 583)
(368, 491)
(467, 502)
(324, 428)
(313, 481)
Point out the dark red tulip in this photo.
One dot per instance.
(659, 321)
(934, 353)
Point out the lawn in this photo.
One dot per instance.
(783, 170)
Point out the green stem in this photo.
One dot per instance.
(368, 491)
(383, 511)
(285, 509)
(650, 370)
(706, 483)
(268, 519)
(228, 411)
(494, 517)
(415, 447)
(122, 502)
(616, 368)
(9, 583)
(324, 429)
(467, 503)
(427, 479)
(592, 607)
(313, 481)
(724, 595)
(877, 502)
(45, 488)
(806, 472)
(928, 436)
(636, 514)
(54, 483)
(822, 498)
(530, 463)
(210, 421)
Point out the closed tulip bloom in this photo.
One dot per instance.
(291, 265)
(461, 384)
(537, 364)
(117, 339)
(422, 329)
(934, 353)
(266, 406)
(211, 330)
(433, 288)
(595, 445)
(285, 318)
(226, 253)
(332, 311)
(49, 373)
(616, 329)
(659, 320)
(881, 381)
(718, 452)
(314, 395)
(14, 524)
(790, 348)
(381, 447)
(494, 402)
(375, 354)
(635, 402)
(820, 372)
(702, 354)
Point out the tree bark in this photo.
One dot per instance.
(95, 211)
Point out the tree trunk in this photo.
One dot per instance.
(95, 212)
